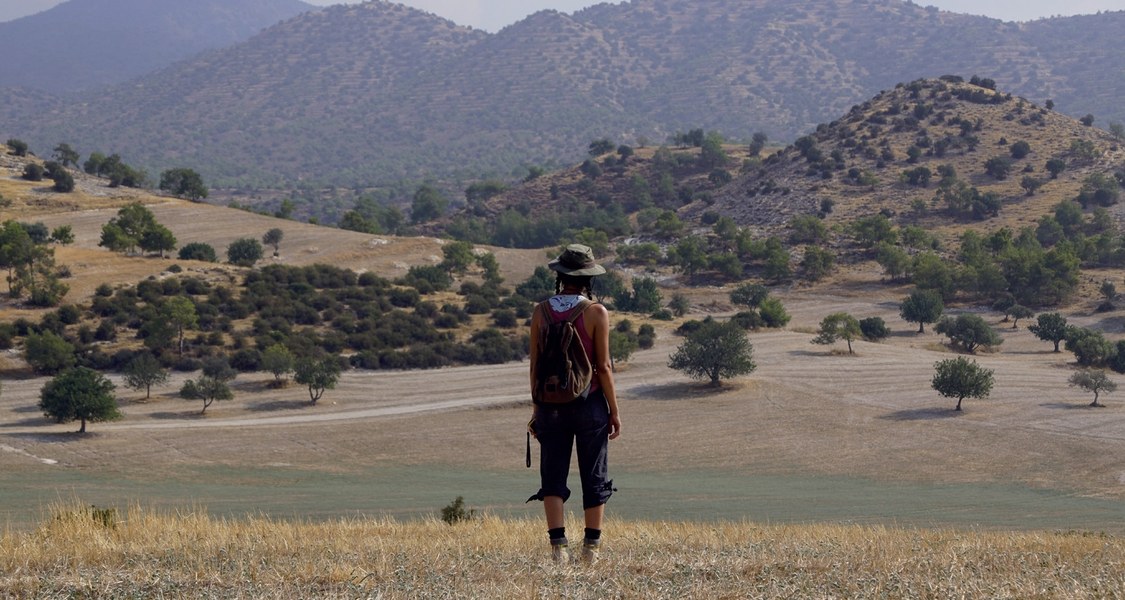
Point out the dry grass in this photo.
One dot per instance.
(149, 554)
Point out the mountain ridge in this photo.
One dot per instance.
(86, 44)
(474, 104)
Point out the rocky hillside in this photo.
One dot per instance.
(87, 44)
(373, 93)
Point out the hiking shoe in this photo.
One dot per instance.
(590, 550)
(560, 552)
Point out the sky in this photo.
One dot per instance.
(492, 15)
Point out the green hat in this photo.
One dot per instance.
(578, 260)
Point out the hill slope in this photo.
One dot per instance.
(85, 44)
(374, 93)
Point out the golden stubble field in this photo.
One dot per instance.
(807, 409)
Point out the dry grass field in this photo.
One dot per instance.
(812, 436)
(153, 554)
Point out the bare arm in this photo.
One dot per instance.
(533, 353)
(598, 325)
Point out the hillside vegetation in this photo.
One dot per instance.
(146, 553)
(374, 93)
(89, 44)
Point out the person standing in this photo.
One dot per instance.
(586, 424)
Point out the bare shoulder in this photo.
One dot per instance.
(598, 312)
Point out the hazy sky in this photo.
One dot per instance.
(492, 15)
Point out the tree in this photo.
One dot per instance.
(1020, 149)
(773, 313)
(64, 182)
(318, 374)
(179, 311)
(124, 231)
(894, 260)
(208, 389)
(1056, 166)
(79, 394)
(16, 249)
(622, 345)
(66, 155)
(969, 332)
(63, 234)
(157, 238)
(921, 307)
(1050, 327)
(1090, 347)
(277, 359)
(33, 172)
(715, 351)
(961, 378)
(244, 252)
(749, 294)
(457, 257)
(143, 372)
(1018, 311)
(212, 384)
(1093, 380)
(600, 147)
(838, 326)
(273, 238)
(998, 167)
(428, 204)
(184, 183)
(1031, 184)
(48, 354)
(1087, 120)
(817, 262)
(19, 147)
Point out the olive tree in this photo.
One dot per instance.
(838, 326)
(79, 394)
(1050, 327)
(921, 307)
(143, 372)
(1093, 380)
(961, 378)
(968, 332)
(244, 252)
(318, 374)
(715, 351)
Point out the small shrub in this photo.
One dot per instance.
(455, 512)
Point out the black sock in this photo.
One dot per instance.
(557, 535)
(593, 535)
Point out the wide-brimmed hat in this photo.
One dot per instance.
(577, 259)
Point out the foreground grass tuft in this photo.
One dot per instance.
(143, 553)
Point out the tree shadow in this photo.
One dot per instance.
(679, 391)
(922, 414)
(178, 416)
(27, 409)
(59, 437)
(276, 405)
(1111, 325)
(30, 422)
(1070, 406)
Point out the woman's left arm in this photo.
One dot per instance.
(600, 320)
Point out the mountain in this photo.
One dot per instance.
(369, 94)
(918, 153)
(86, 44)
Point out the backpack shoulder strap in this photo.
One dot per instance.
(578, 310)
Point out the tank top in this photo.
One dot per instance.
(561, 306)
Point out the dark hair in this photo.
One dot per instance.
(582, 282)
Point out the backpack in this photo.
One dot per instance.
(563, 371)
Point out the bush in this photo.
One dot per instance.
(198, 251)
(456, 512)
(874, 329)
